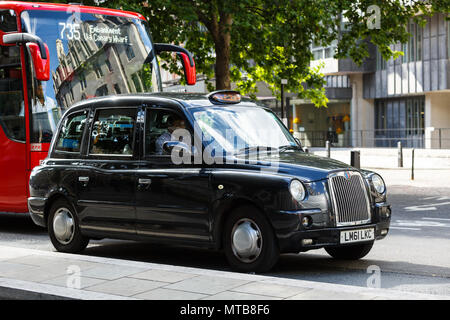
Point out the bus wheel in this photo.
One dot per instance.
(249, 241)
(63, 228)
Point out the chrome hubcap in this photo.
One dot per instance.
(63, 226)
(246, 240)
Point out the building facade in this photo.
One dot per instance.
(382, 102)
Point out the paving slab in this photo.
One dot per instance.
(270, 289)
(207, 284)
(42, 261)
(169, 294)
(8, 253)
(111, 272)
(8, 267)
(66, 281)
(317, 294)
(233, 295)
(126, 286)
(35, 274)
(162, 275)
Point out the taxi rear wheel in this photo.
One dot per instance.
(249, 241)
(63, 228)
(350, 252)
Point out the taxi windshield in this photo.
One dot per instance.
(241, 129)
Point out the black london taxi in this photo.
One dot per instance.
(216, 171)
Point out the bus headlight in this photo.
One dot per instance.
(297, 190)
(378, 183)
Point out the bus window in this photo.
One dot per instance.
(45, 114)
(91, 55)
(12, 119)
(8, 21)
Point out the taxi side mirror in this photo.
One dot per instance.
(38, 50)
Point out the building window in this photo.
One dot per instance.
(381, 63)
(319, 52)
(108, 64)
(102, 91)
(400, 119)
(83, 82)
(412, 50)
(98, 70)
(130, 52)
(137, 82)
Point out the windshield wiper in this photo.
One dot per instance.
(290, 147)
(257, 149)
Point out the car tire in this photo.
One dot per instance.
(350, 252)
(63, 228)
(249, 241)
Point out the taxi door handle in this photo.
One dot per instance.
(145, 181)
(83, 179)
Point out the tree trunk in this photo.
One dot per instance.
(222, 41)
(222, 68)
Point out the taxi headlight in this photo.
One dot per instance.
(378, 183)
(297, 190)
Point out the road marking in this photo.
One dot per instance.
(405, 228)
(424, 207)
(438, 198)
(443, 219)
(420, 223)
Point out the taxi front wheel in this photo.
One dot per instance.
(350, 252)
(63, 228)
(249, 241)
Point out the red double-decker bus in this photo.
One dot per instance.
(54, 55)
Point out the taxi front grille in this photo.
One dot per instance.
(349, 198)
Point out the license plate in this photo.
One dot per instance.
(357, 235)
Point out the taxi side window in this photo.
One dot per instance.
(71, 133)
(159, 126)
(113, 132)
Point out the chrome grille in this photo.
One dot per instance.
(349, 198)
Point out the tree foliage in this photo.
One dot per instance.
(245, 41)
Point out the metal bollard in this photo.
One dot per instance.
(400, 154)
(412, 164)
(327, 146)
(355, 159)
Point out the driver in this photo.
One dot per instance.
(173, 124)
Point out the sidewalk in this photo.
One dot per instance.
(35, 274)
(388, 157)
(424, 178)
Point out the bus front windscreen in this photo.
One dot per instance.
(91, 55)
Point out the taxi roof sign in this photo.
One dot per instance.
(225, 97)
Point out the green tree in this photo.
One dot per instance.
(245, 41)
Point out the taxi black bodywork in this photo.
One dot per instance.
(245, 207)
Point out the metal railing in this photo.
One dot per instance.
(437, 138)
